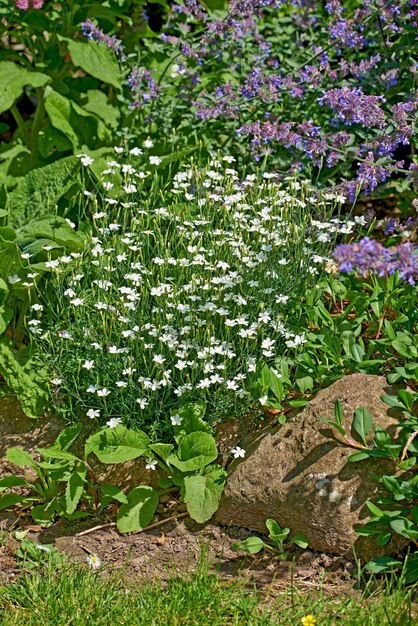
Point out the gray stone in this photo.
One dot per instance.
(299, 474)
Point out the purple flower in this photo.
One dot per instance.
(368, 255)
(353, 106)
(364, 256)
(94, 33)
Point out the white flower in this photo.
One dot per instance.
(238, 452)
(77, 302)
(142, 402)
(92, 413)
(118, 149)
(113, 422)
(148, 143)
(263, 400)
(14, 279)
(176, 419)
(155, 160)
(26, 255)
(102, 393)
(94, 561)
(85, 159)
(56, 381)
(135, 151)
(37, 307)
(69, 222)
(151, 464)
(99, 215)
(88, 365)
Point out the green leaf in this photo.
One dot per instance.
(75, 489)
(139, 510)
(11, 481)
(96, 60)
(37, 193)
(358, 456)
(202, 495)
(362, 422)
(51, 140)
(194, 452)
(300, 540)
(43, 514)
(411, 569)
(114, 492)
(192, 415)
(55, 228)
(392, 401)
(273, 527)
(374, 510)
(305, 384)
(59, 110)
(65, 439)
(252, 545)
(10, 260)
(9, 499)
(407, 398)
(116, 445)
(14, 79)
(163, 450)
(56, 453)
(357, 352)
(19, 457)
(382, 564)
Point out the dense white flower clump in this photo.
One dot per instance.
(182, 298)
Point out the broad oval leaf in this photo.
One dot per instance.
(138, 511)
(14, 79)
(202, 495)
(252, 545)
(194, 452)
(116, 445)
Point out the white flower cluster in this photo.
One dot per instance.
(186, 298)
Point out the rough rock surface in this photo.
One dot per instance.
(299, 474)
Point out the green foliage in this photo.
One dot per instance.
(280, 540)
(66, 481)
(396, 512)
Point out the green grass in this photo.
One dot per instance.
(74, 596)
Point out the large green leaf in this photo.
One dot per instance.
(55, 228)
(59, 111)
(194, 452)
(192, 415)
(10, 260)
(75, 489)
(38, 192)
(202, 495)
(96, 60)
(13, 81)
(139, 510)
(116, 445)
(30, 395)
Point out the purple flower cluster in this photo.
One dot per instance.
(352, 106)
(368, 255)
(143, 86)
(94, 33)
